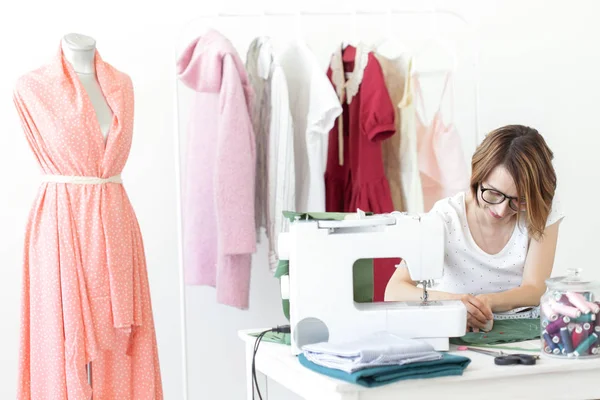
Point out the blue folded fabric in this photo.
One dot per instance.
(448, 365)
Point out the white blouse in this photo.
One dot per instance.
(314, 106)
(467, 268)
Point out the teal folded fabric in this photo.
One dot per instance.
(448, 365)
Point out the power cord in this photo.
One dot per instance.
(279, 329)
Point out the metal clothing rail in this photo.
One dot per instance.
(299, 16)
(389, 15)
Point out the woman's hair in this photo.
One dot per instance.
(528, 159)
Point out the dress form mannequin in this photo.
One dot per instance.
(80, 52)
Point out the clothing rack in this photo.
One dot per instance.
(211, 20)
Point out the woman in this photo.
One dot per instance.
(501, 234)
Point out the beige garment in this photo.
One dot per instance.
(258, 67)
(394, 76)
(409, 163)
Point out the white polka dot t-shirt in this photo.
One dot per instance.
(467, 268)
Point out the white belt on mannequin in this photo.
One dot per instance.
(81, 180)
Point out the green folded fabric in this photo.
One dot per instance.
(321, 216)
(283, 268)
(448, 365)
(504, 331)
(275, 337)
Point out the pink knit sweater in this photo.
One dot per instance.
(219, 172)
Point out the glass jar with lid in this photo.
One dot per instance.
(570, 317)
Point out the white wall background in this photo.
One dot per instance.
(539, 62)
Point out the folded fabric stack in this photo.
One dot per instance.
(379, 359)
(376, 350)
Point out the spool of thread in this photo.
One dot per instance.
(554, 327)
(579, 301)
(549, 312)
(555, 339)
(595, 350)
(594, 307)
(561, 298)
(585, 318)
(549, 342)
(568, 311)
(586, 344)
(584, 335)
(577, 336)
(589, 296)
(566, 340)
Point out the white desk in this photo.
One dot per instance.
(549, 379)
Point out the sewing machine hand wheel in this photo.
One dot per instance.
(511, 359)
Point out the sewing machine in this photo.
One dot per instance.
(321, 256)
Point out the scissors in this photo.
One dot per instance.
(502, 358)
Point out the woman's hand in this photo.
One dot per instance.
(479, 311)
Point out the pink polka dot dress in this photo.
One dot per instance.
(85, 294)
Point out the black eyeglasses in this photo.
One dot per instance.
(492, 196)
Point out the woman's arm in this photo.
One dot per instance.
(402, 288)
(538, 268)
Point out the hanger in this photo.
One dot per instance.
(264, 57)
(436, 43)
(389, 46)
(353, 41)
(440, 45)
(298, 26)
(263, 24)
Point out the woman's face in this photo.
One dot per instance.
(499, 188)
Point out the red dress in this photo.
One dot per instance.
(355, 177)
